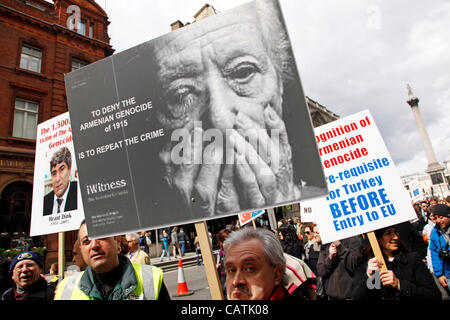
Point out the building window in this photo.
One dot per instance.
(31, 58)
(77, 64)
(25, 119)
(91, 30)
(82, 27)
(436, 178)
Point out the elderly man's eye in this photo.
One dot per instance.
(242, 73)
(181, 100)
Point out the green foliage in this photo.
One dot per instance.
(11, 253)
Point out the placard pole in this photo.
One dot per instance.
(376, 249)
(61, 255)
(208, 260)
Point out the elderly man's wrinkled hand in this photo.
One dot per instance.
(264, 162)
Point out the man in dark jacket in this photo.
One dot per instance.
(412, 238)
(337, 264)
(182, 241)
(25, 270)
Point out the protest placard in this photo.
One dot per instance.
(160, 141)
(365, 189)
(309, 208)
(57, 205)
(246, 217)
(415, 191)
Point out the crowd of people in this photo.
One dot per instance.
(256, 263)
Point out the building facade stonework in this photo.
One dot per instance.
(40, 42)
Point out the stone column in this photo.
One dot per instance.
(433, 165)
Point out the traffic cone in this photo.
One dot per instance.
(182, 289)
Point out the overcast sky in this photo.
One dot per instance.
(351, 55)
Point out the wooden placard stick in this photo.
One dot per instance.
(254, 224)
(215, 286)
(376, 249)
(61, 255)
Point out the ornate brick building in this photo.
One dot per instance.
(40, 42)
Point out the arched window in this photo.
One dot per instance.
(15, 212)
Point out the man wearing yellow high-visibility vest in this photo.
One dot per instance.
(109, 275)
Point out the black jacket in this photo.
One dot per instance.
(182, 236)
(294, 248)
(415, 279)
(413, 239)
(40, 290)
(312, 260)
(337, 274)
(71, 201)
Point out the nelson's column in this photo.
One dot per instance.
(434, 169)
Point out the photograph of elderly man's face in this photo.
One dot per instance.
(223, 86)
(234, 131)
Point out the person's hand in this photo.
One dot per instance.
(332, 251)
(227, 198)
(388, 278)
(180, 165)
(337, 243)
(261, 167)
(372, 266)
(195, 174)
(443, 281)
(263, 164)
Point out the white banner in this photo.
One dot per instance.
(365, 189)
(308, 211)
(415, 191)
(57, 205)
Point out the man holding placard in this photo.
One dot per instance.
(336, 266)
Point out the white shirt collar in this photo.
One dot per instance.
(63, 203)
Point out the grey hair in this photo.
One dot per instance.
(62, 155)
(270, 21)
(277, 40)
(133, 236)
(272, 250)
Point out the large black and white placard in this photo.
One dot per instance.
(206, 121)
